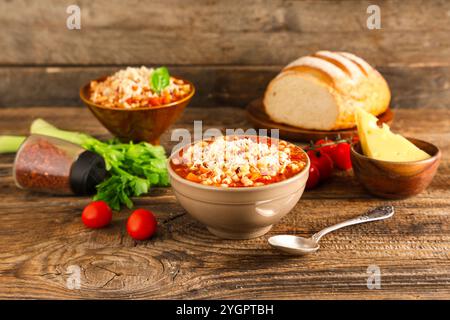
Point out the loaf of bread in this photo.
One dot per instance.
(321, 91)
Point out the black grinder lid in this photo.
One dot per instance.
(87, 172)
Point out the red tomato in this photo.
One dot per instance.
(97, 214)
(154, 101)
(323, 162)
(328, 148)
(141, 224)
(313, 178)
(342, 156)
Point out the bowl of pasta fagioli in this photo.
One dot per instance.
(238, 186)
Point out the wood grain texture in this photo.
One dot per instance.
(221, 32)
(41, 236)
(229, 49)
(412, 87)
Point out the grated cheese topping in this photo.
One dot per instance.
(130, 88)
(237, 161)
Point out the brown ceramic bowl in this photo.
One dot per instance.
(140, 124)
(241, 212)
(396, 180)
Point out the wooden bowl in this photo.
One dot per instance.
(396, 180)
(140, 124)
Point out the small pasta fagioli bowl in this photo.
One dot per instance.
(233, 200)
(125, 104)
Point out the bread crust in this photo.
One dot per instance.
(351, 80)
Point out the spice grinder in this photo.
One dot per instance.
(47, 164)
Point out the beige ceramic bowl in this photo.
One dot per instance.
(238, 213)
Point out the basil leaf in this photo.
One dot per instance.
(160, 79)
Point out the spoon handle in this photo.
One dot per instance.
(379, 213)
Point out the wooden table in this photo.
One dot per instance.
(42, 238)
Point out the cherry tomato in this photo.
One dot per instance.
(329, 149)
(141, 224)
(329, 146)
(342, 156)
(313, 178)
(97, 214)
(323, 162)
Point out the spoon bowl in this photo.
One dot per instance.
(293, 244)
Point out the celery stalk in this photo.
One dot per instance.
(40, 126)
(10, 144)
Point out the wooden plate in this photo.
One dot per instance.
(258, 117)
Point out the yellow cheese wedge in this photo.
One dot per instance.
(382, 144)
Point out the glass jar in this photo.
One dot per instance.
(47, 164)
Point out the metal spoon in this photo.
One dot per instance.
(300, 245)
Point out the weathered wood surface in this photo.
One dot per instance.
(221, 32)
(412, 87)
(41, 236)
(229, 49)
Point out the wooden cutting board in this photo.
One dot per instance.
(258, 117)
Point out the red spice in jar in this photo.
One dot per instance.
(52, 165)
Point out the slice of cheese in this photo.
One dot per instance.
(382, 144)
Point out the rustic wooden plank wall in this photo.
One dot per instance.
(229, 49)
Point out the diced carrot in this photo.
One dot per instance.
(167, 99)
(193, 177)
(154, 101)
(203, 169)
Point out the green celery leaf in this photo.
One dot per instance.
(164, 180)
(109, 190)
(141, 186)
(153, 178)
